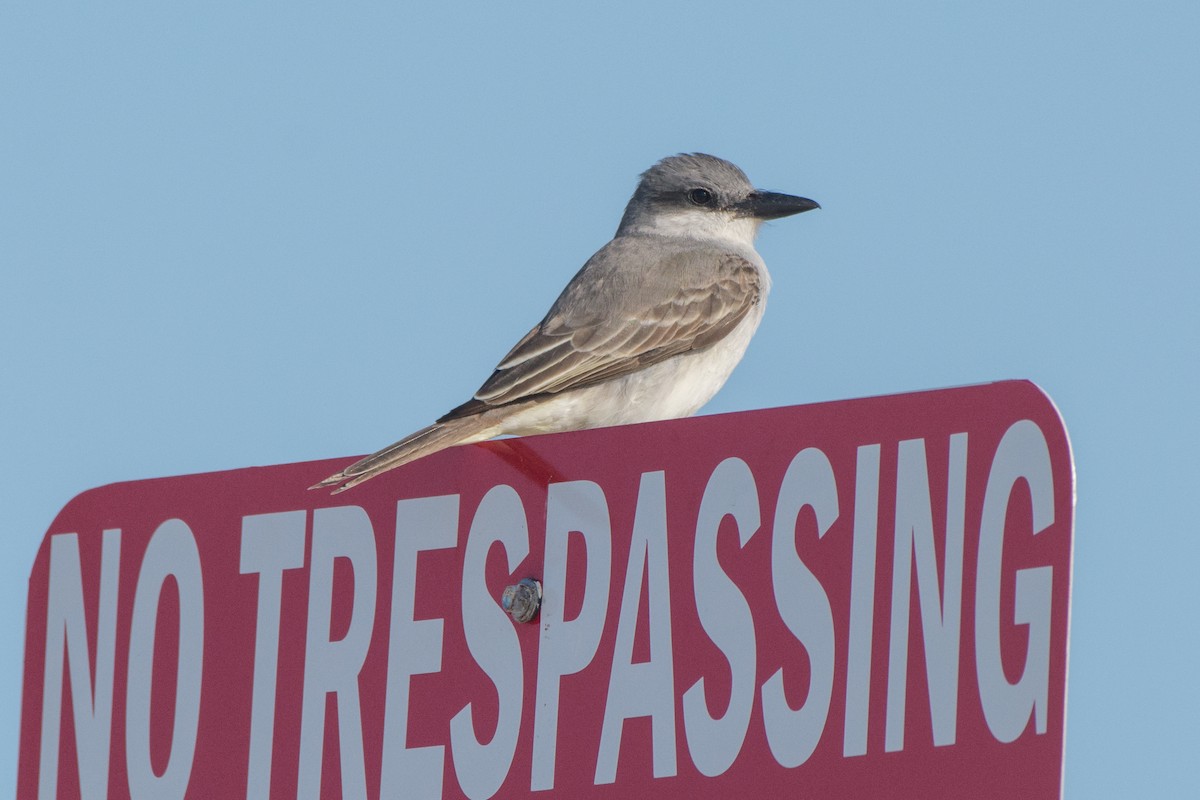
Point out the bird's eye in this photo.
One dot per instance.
(700, 197)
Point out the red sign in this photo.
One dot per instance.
(855, 599)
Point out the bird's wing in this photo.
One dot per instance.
(626, 310)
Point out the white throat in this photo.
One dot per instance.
(700, 224)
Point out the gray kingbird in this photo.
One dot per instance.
(649, 329)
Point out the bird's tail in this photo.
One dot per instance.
(437, 436)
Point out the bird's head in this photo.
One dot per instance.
(704, 197)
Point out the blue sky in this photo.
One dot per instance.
(236, 234)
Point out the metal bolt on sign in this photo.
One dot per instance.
(522, 599)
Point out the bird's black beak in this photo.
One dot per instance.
(773, 205)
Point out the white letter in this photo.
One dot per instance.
(714, 742)
(793, 733)
(171, 552)
(414, 648)
(492, 640)
(333, 666)
(566, 647)
(1022, 453)
(646, 689)
(862, 600)
(271, 543)
(66, 625)
(941, 611)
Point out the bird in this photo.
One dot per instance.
(649, 329)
